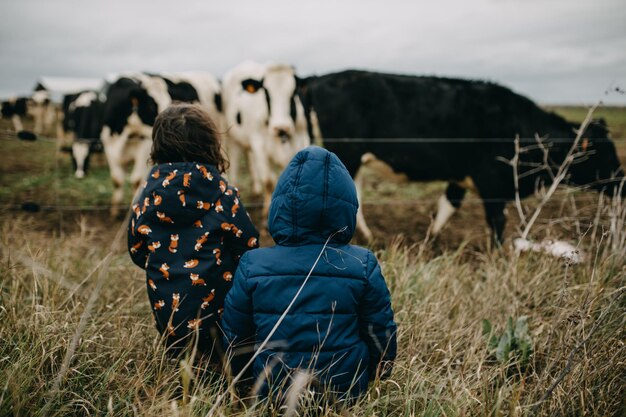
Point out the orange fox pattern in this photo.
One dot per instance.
(144, 230)
(164, 270)
(154, 246)
(196, 280)
(205, 172)
(203, 205)
(136, 210)
(175, 301)
(136, 246)
(163, 218)
(173, 244)
(218, 253)
(169, 178)
(235, 208)
(201, 240)
(218, 206)
(207, 300)
(194, 324)
(190, 262)
(187, 179)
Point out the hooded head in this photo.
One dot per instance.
(314, 198)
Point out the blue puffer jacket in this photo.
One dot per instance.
(188, 231)
(341, 325)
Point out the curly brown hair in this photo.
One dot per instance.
(186, 133)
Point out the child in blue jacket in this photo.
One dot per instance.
(188, 229)
(340, 327)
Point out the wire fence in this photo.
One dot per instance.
(382, 200)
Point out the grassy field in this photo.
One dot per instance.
(77, 337)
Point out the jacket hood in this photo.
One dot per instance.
(314, 198)
(180, 192)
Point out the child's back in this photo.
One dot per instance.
(188, 231)
(341, 325)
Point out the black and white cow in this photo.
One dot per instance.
(264, 119)
(378, 108)
(82, 124)
(16, 109)
(132, 103)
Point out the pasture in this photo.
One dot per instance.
(77, 337)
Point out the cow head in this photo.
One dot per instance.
(280, 88)
(597, 164)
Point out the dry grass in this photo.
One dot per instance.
(77, 336)
(443, 369)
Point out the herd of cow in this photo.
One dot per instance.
(427, 128)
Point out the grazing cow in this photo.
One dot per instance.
(378, 108)
(131, 106)
(82, 122)
(264, 119)
(15, 109)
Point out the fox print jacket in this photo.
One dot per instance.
(188, 230)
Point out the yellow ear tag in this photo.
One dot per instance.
(585, 144)
(250, 88)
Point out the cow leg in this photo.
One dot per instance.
(494, 213)
(117, 177)
(17, 123)
(38, 116)
(234, 154)
(361, 225)
(113, 146)
(80, 153)
(262, 178)
(258, 165)
(447, 205)
(140, 163)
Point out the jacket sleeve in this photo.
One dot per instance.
(137, 246)
(376, 325)
(238, 323)
(244, 235)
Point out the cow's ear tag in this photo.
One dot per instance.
(585, 144)
(251, 86)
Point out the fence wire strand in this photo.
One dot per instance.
(7, 134)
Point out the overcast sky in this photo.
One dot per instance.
(554, 51)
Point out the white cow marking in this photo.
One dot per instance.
(445, 210)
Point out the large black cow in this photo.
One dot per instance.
(82, 121)
(377, 108)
